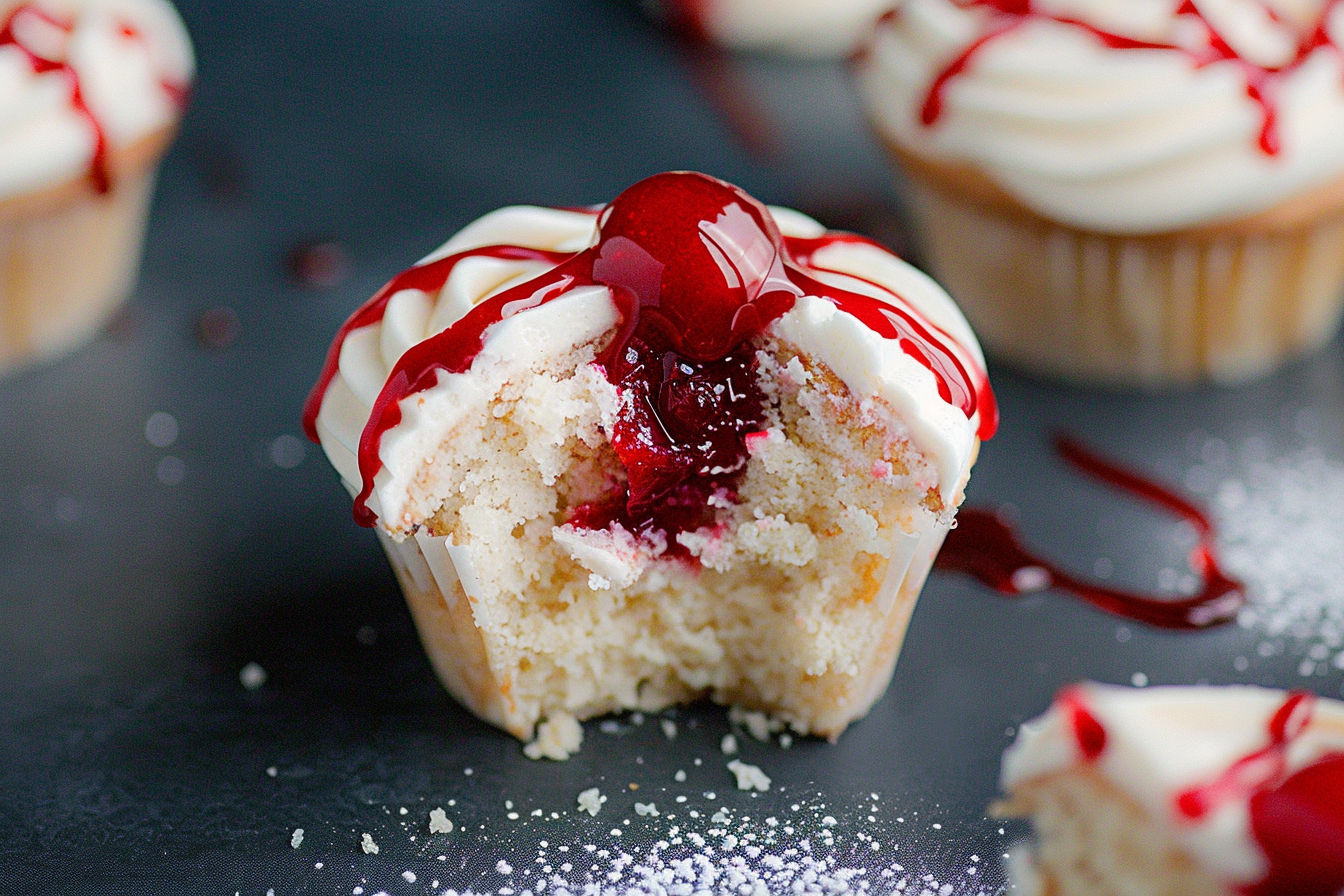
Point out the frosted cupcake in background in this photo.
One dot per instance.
(804, 28)
(91, 92)
(1180, 791)
(1130, 193)
(681, 446)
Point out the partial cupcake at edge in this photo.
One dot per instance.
(679, 446)
(91, 92)
(1180, 791)
(1132, 194)
(806, 29)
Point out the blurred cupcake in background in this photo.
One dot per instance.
(804, 28)
(91, 92)
(1143, 193)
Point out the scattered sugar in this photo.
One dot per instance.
(669, 728)
(1278, 511)
(728, 745)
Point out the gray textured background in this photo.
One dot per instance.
(144, 561)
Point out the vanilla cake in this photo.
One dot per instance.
(1181, 791)
(679, 446)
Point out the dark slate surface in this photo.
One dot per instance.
(146, 559)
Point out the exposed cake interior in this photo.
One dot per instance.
(1093, 839)
(792, 600)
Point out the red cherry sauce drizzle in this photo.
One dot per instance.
(985, 547)
(697, 269)
(1261, 82)
(56, 64)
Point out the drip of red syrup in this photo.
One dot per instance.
(697, 269)
(1261, 81)
(56, 64)
(984, 546)
(1296, 819)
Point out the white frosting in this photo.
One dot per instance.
(1163, 741)
(44, 138)
(1116, 140)
(806, 28)
(872, 367)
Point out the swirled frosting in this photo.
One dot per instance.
(1247, 780)
(527, 282)
(1142, 116)
(805, 28)
(80, 79)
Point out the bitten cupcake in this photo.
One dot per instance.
(1125, 193)
(91, 92)
(817, 29)
(1181, 791)
(678, 446)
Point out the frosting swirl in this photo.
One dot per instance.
(1133, 117)
(80, 79)
(525, 281)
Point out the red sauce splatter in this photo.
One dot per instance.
(58, 65)
(1261, 82)
(984, 546)
(697, 269)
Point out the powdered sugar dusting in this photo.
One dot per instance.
(1279, 511)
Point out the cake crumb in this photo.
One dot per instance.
(408, 876)
(296, 839)
(669, 728)
(367, 845)
(439, 823)
(728, 746)
(558, 737)
(253, 676)
(749, 777)
(591, 800)
(646, 809)
(757, 723)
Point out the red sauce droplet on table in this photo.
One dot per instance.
(1261, 82)
(697, 269)
(42, 62)
(984, 546)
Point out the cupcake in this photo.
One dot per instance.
(678, 446)
(1187, 791)
(90, 94)
(803, 28)
(1124, 193)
